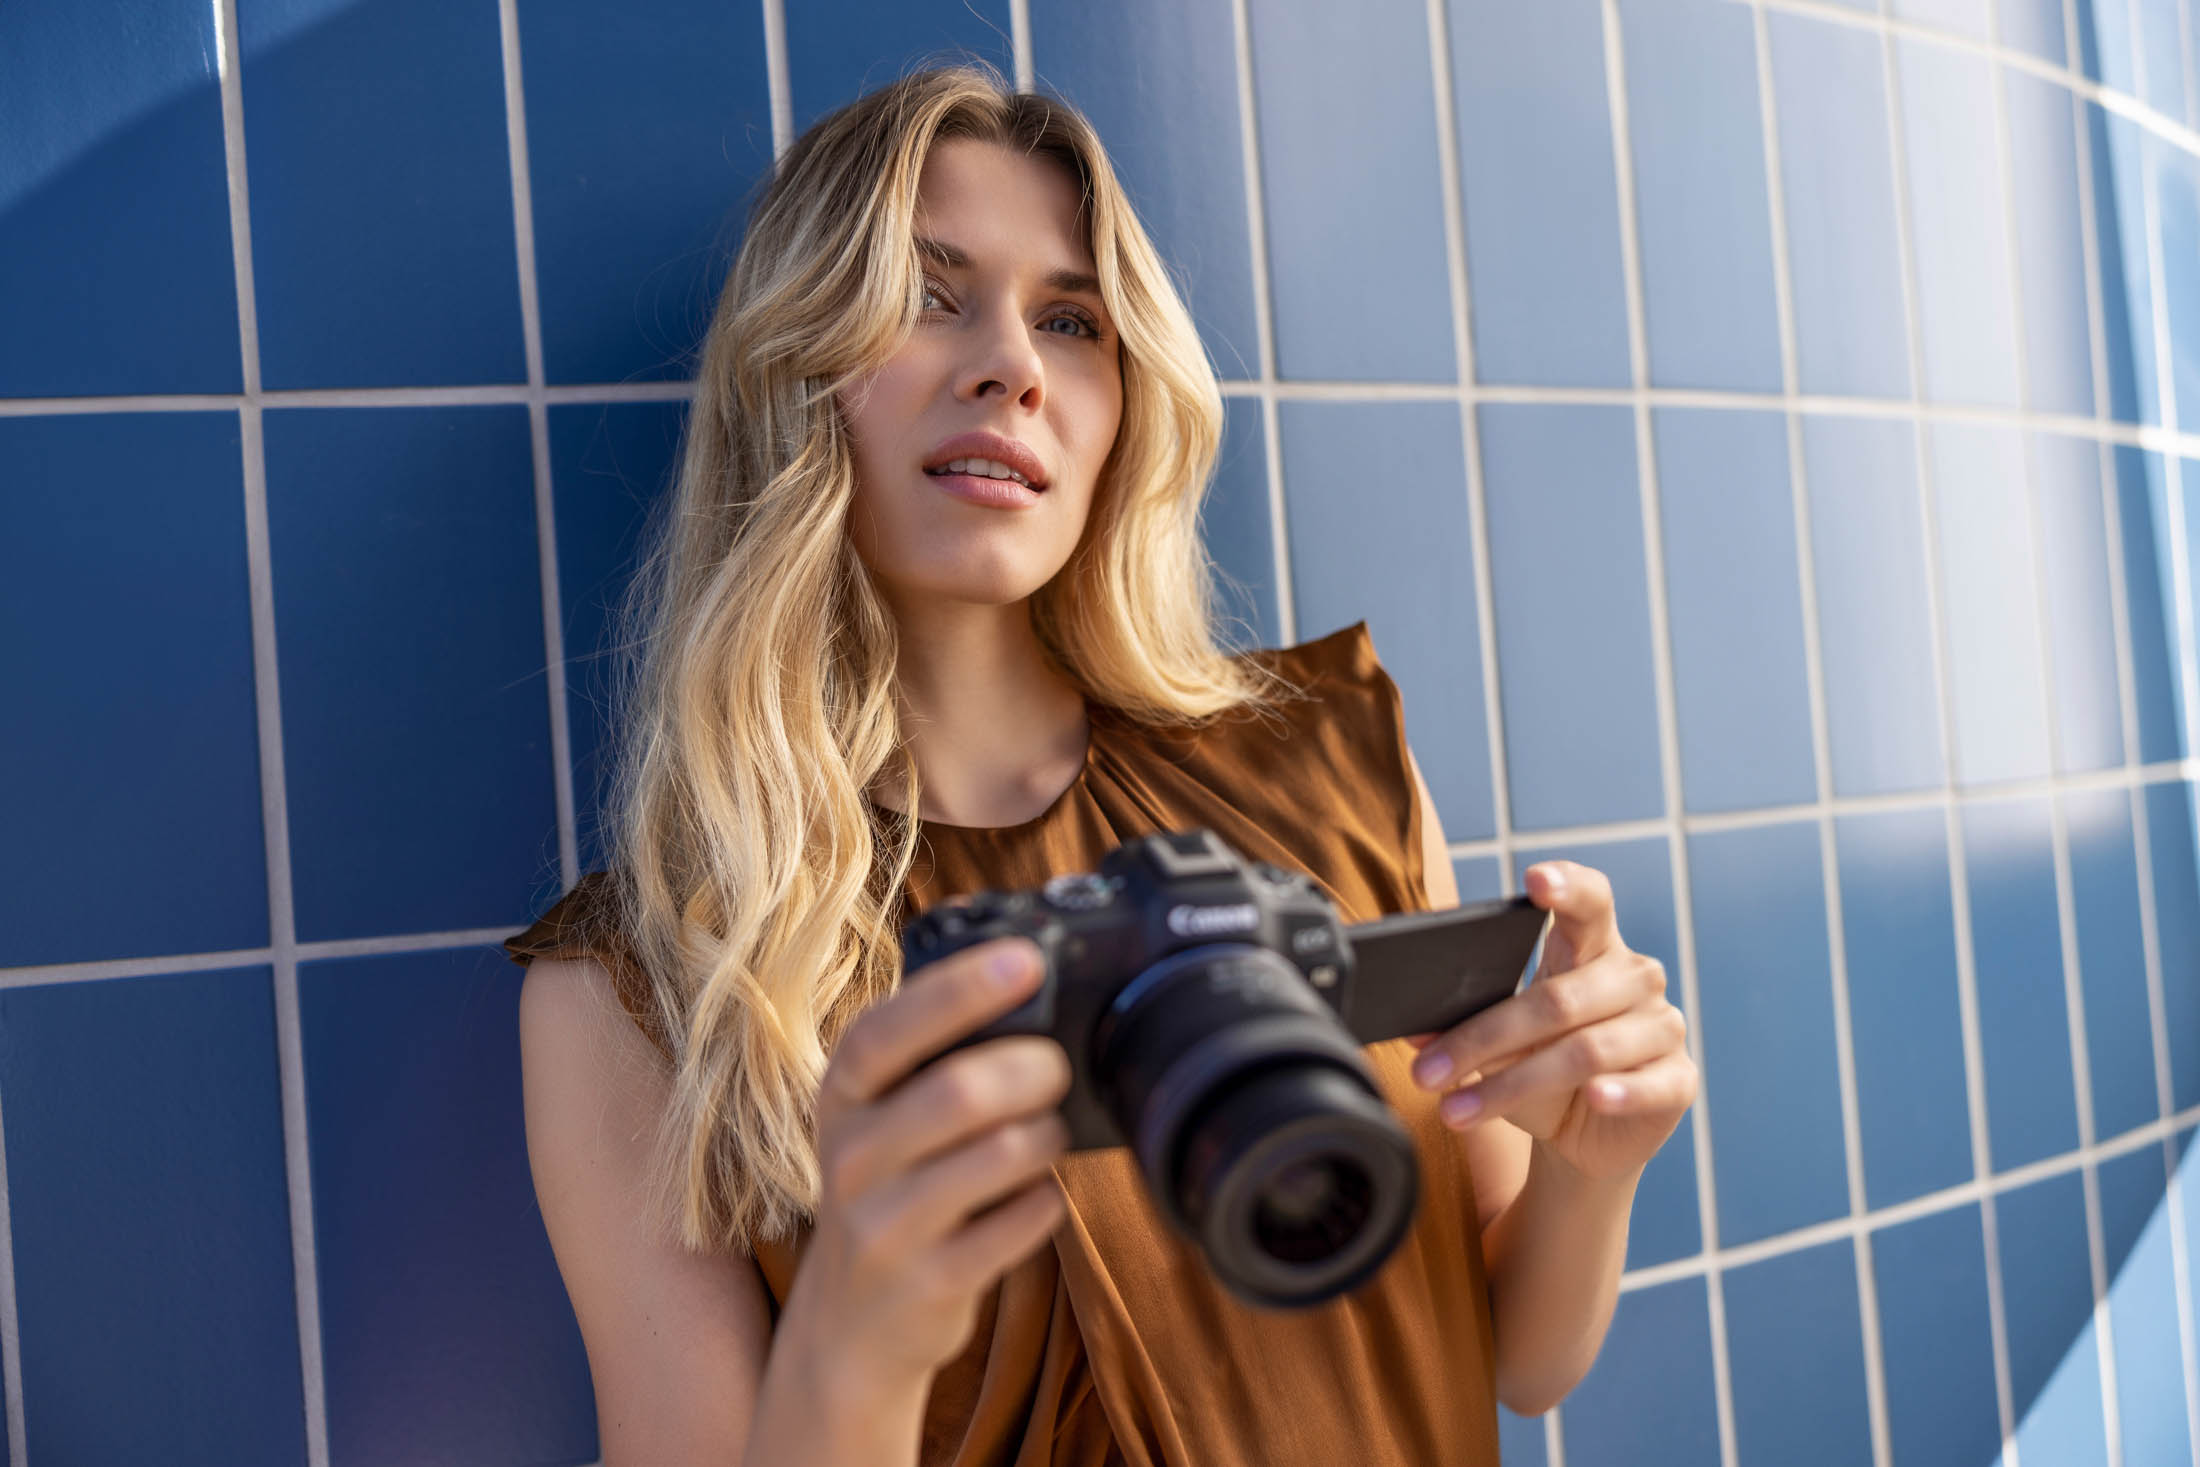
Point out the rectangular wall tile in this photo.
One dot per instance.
(1795, 1344)
(1528, 90)
(1958, 224)
(150, 1215)
(2112, 55)
(2016, 948)
(2081, 618)
(1421, 610)
(1937, 1338)
(2143, 1309)
(1905, 1013)
(2036, 28)
(2150, 603)
(1581, 725)
(382, 237)
(2161, 56)
(1479, 878)
(835, 53)
(2127, 297)
(1874, 616)
(1733, 609)
(1970, 19)
(1348, 135)
(1836, 172)
(2173, 834)
(2177, 208)
(1649, 1397)
(1997, 673)
(1239, 535)
(646, 130)
(1770, 1077)
(2051, 267)
(2047, 1296)
(2119, 1028)
(1703, 222)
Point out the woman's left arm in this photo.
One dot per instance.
(1562, 1094)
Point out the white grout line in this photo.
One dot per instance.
(538, 438)
(1019, 30)
(305, 952)
(776, 76)
(1256, 218)
(1648, 483)
(274, 798)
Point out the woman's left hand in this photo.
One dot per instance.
(1589, 1058)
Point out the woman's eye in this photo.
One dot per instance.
(1075, 319)
(930, 299)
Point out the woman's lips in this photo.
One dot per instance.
(993, 493)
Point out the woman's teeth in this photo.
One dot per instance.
(983, 467)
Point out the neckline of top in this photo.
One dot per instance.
(1093, 719)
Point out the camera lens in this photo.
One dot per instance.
(1312, 1208)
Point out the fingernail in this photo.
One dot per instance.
(1433, 1068)
(1461, 1108)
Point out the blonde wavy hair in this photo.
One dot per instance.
(752, 881)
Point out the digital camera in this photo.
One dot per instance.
(1214, 1009)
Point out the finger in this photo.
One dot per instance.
(933, 1200)
(1579, 899)
(936, 1005)
(1669, 1083)
(1542, 1012)
(1619, 1044)
(998, 1240)
(948, 1102)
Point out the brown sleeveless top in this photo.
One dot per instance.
(1117, 1345)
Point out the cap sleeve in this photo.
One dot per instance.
(583, 924)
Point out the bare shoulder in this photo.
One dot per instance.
(676, 1339)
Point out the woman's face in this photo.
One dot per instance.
(1014, 342)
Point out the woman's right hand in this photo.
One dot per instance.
(936, 1177)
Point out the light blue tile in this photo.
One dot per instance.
(1770, 1078)
(1997, 672)
(129, 713)
(2119, 1029)
(420, 1174)
(1702, 220)
(1479, 878)
(646, 129)
(2177, 204)
(1905, 1011)
(835, 53)
(1958, 225)
(1936, 1338)
(2087, 26)
(1348, 136)
(1581, 720)
(382, 240)
(1238, 534)
(2016, 949)
(1838, 179)
(1874, 616)
(1404, 560)
(2143, 1308)
(1733, 609)
(1665, 1223)
(1158, 79)
(416, 734)
(2161, 57)
(1649, 1397)
(150, 1215)
(2127, 299)
(2112, 58)
(116, 274)
(2047, 1296)
(1795, 1344)
(1970, 19)
(2081, 624)
(2187, 1169)
(2036, 28)
(1541, 199)
(2142, 500)
(2173, 835)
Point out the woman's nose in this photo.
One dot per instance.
(1003, 358)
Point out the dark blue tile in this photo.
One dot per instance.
(1239, 534)
(2174, 838)
(836, 53)
(1997, 669)
(1480, 878)
(2161, 57)
(2050, 243)
(1665, 1223)
(2127, 299)
(1874, 616)
(1702, 221)
(2047, 1303)
(150, 1208)
(1540, 197)
(1581, 713)
(1795, 1341)
(1404, 560)
(2034, 27)
(133, 738)
(1158, 79)
(1905, 1011)
(1958, 224)
(1837, 175)
(2150, 603)
(2081, 618)
(1727, 513)
(2177, 208)
(383, 252)
(610, 464)
(416, 738)
(647, 127)
(1936, 1338)
(116, 274)
(1968, 18)
(1770, 1077)
(1649, 1398)
(2119, 1030)
(2143, 1308)
(1348, 136)
(420, 1175)
(2016, 950)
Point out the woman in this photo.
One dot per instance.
(930, 613)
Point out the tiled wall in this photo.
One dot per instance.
(1763, 437)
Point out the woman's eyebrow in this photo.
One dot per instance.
(948, 257)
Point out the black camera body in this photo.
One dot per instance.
(1213, 1010)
